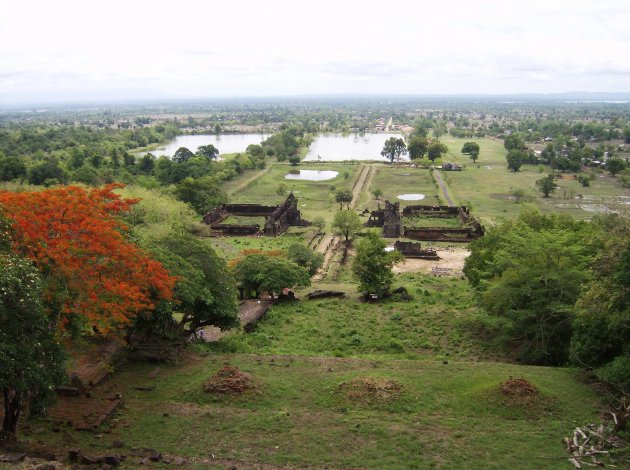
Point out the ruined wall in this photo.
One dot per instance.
(441, 234)
(392, 225)
(415, 250)
(284, 216)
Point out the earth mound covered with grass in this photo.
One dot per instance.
(370, 391)
(230, 381)
(519, 391)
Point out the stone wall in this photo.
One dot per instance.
(415, 250)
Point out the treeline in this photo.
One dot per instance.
(558, 290)
(69, 154)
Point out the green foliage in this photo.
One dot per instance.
(515, 159)
(472, 149)
(45, 171)
(208, 151)
(203, 194)
(417, 147)
(615, 165)
(319, 222)
(346, 223)
(260, 272)
(514, 142)
(616, 372)
(343, 196)
(377, 193)
(372, 265)
(531, 273)
(394, 148)
(301, 255)
(435, 150)
(546, 185)
(11, 168)
(205, 291)
(602, 324)
(31, 361)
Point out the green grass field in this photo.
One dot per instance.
(487, 185)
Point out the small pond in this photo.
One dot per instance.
(411, 197)
(311, 175)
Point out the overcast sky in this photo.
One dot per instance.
(76, 50)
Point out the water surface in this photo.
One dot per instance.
(411, 197)
(226, 143)
(338, 147)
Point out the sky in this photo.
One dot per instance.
(66, 50)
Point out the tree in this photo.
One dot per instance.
(514, 142)
(31, 361)
(182, 154)
(530, 274)
(472, 149)
(547, 185)
(45, 172)
(94, 276)
(435, 150)
(346, 223)
(11, 168)
(319, 222)
(372, 266)
(260, 272)
(343, 195)
(417, 147)
(305, 257)
(377, 193)
(626, 135)
(205, 291)
(393, 149)
(515, 159)
(203, 194)
(207, 151)
(615, 165)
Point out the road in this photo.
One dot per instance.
(442, 185)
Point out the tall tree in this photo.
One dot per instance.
(93, 274)
(182, 154)
(547, 185)
(372, 266)
(394, 148)
(31, 361)
(515, 159)
(343, 196)
(347, 223)
(436, 149)
(417, 147)
(472, 150)
(208, 151)
(260, 272)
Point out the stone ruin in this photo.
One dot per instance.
(277, 218)
(389, 219)
(415, 250)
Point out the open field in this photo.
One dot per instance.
(394, 181)
(300, 412)
(487, 185)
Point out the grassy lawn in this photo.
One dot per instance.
(488, 184)
(444, 416)
(395, 181)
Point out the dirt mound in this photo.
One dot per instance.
(230, 381)
(519, 389)
(370, 390)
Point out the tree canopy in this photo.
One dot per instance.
(372, 265)
(346, 223)
(394, 148)
(547, 185)
(272, 274)
(93, 274)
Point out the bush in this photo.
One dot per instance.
(616, 373)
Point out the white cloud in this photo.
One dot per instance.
(208, 48)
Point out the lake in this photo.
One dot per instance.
(226, 143)
(338, 147)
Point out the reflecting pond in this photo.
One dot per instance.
(311, 175)
(411, 197)
(226, 143)
(338, 147)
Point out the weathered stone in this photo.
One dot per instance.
(12, 457)
(74, 455)
(88, 460)
(110, 459)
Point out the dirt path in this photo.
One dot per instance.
(360, 184)
(245, 183)
(327, 246)
(451, 263)
(440, 182)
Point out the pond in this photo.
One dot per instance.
(338, 147)
(311, 175)
(226, 143)
(411, 197)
